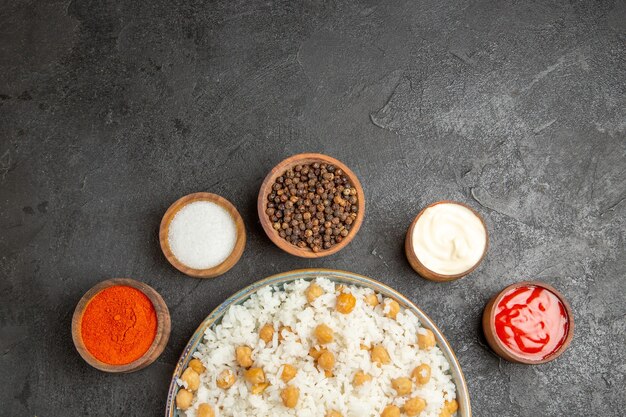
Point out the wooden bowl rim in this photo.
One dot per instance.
(278, 170)
(158, 344)
(430, 274)
(489, 326)
(225, 265)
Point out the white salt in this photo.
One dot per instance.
(202, 235)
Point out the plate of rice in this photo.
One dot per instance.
(318, 343)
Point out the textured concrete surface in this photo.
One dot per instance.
(109, 111)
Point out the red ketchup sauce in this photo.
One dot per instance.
(531, 322)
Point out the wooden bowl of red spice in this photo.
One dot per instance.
(121, 325)
(311, 205)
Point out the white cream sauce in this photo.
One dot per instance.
(449, 239)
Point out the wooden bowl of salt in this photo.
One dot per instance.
(202, 235)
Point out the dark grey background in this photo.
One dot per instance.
(110, 111)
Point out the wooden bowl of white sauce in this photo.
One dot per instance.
(446, 241)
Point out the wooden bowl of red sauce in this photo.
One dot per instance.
(120, 325)
(528, 322)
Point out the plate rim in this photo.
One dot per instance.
(463, 397)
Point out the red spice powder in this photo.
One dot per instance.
(119, 325)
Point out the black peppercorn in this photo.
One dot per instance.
(312, 205)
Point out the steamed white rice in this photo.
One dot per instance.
(318, 394)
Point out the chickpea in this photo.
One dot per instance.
(403, 386)
(192, 379)
(361, 378)
(266, 333)
(324, 334)
(371, 299)
(394, 308)
(328, 373)
(390, 411)
(345, 303)
(312, 292)
(451, 406)
(290, 396)
(183, 399)
(243, 355)
(364, 347)
(226, 379)
(205, 410)
(288, 373)
(197, 366)
(257, 389)
(254, 375)
(333, 413)
(379, 355)
(421, 374)
(414, 406)
(315, 352)
(326, 361)
(426, 340)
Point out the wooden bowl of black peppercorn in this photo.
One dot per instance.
(311, 205)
